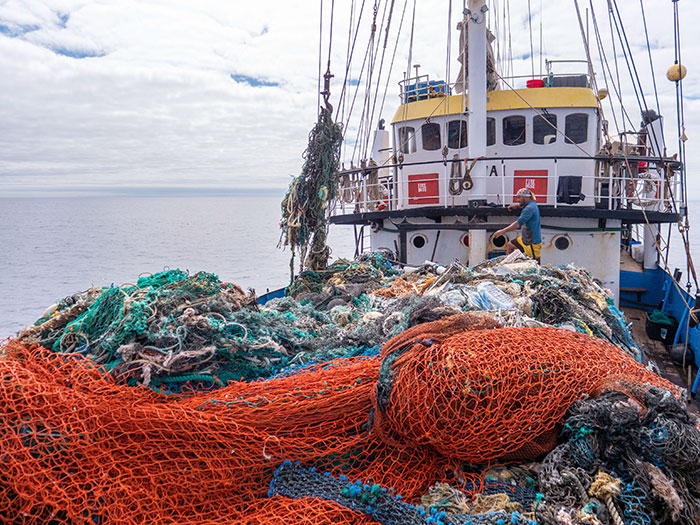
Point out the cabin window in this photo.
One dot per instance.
(457, 134)
(490, 131)
(576, 129)
(544, 129)
(407, 139)
(514, 130)
(430, 134)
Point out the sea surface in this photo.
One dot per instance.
(54, 247)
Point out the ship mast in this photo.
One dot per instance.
(475, 22)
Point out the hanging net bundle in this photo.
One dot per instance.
(305, 209)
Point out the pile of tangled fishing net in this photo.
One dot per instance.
(426, 431)
(173, 330)
(523, 291)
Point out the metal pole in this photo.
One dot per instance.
(475, 16)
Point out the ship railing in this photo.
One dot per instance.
(576, 78)
(558, 80)
(616, 183)
(421, 87)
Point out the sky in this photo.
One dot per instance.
(215, 96)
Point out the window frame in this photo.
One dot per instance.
(569, 139)
(461, 135)
(438, 135)
(491, 127)
(410, 145)
(511, 142)
(547, 125)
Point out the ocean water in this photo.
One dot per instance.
(54, 247)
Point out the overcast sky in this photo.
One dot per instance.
(210, 95)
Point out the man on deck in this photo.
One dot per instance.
(530, 239)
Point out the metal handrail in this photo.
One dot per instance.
(407, 82)
(669, 161)
(616, 194)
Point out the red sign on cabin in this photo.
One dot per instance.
(423, 189)
(533, 180)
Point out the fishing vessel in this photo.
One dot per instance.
(428, 381)
(439, 177)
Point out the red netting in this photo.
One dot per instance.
(77, 448)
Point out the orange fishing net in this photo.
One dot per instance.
(483, 395)
(311, 511)
(77, 448)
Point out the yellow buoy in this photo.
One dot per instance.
(676, 72)
(602, 93)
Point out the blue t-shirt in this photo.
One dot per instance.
(530, 221)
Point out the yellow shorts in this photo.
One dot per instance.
(531, 250)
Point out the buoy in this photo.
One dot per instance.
(602, 93)
(676, 72)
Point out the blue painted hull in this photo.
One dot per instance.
(662, 293)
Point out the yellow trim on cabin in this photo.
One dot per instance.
(554, 97)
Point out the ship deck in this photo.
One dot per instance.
(627, 216)
(655, 353)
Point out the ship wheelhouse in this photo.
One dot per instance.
(523, 146)
(424, 196)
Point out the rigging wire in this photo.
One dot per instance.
(408, 68)
(681, 147)
(541, 38)
(364, 124)
(379, 76)
(410, 45)
(510, 41)
(320, 53)
(357, 86)
(496, 30)
(617, 68)
(651, 67)
(632, 68)
(636, 83)
(586, 47)
(330, 36)
(342, 100)
(349, 60)
(393, 56)
(532, 52)
(447, 69)
(605, 65)
(679, 99)
(635, 77)
(603, 61)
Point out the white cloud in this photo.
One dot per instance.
(154, 104)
